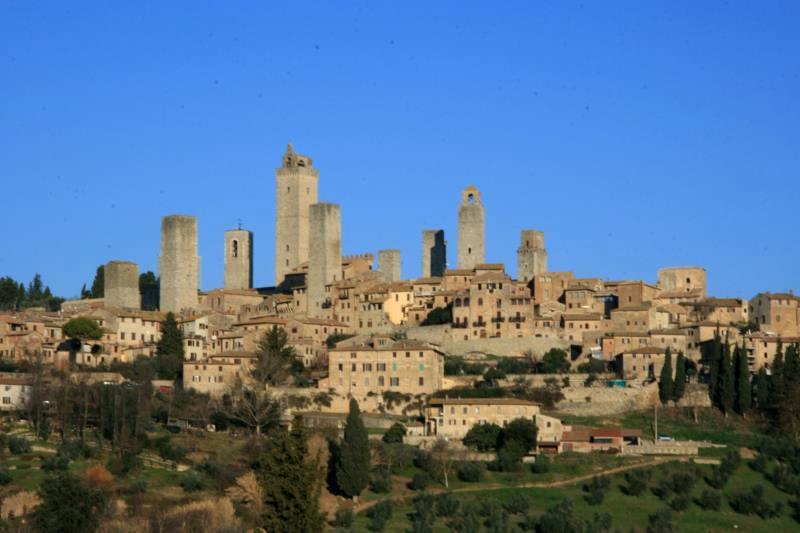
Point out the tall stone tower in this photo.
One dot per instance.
(389, 265)
(296, 189)
(325, 254)
(179, 264)
(470, 229)
(238, 259)
(434, 253)
(531, 255)
(121, 285)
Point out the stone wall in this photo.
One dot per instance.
(325, 254)
(121, 285)
(506, 346)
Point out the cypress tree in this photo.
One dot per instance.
(761, 389)
(169, 350)
(727, 381)
(791, 364)
(743, 386)
(777, 384)
(680, 377)
(291, 483)
(352, 469)
(665, 384)
(98, 284)
(715, 356)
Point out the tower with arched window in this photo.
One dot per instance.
(470, 229)
(238, 259)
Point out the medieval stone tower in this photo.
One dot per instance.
(121, 285)
(179, 264)
(238, 259)
(389, 265)
(296, 189)
(434, 253)
(325, 254)
(470, 229)
(531, 255)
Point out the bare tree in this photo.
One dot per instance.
(444, 457)
(253, 407)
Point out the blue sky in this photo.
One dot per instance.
(635, 134)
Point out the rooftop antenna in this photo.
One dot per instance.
(240, 223)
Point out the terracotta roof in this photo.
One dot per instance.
(435, 280)
(719, 302)
(490, 266)
(15, 381)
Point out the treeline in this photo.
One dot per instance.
(15, 296)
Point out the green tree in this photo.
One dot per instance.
(68, 505)
(665, 384)
(395, 434)
(714, 355)
(82, 328)
(275, 357)
(352, 468)
(679, 387)
(555, 361)
(169, 350)
(727, 381)
(743, 386)
(148, 290)
(761, 389)
(521, 430)
(98, 283)
(483, 437)
(291, 483)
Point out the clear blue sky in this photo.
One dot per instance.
(635, 134)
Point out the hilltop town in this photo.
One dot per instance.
(433, 357)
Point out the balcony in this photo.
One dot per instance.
(516, 319)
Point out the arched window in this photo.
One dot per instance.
(235, 248)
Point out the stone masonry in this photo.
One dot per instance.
(121, 287)
(296, 189)
(470, 229)
(531, 255)
(434, 253)
(389, 265)
(325, 255)
(179, 264)
(238, 259)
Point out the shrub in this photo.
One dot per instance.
(123, 464)
(680, 502)
(446, 505)
(637, 481)
(483, 437)
(98, 477)
(471, 472)
(596, 490)
(74, 449)
(55, 463)
(420, 481)
(379, 514)
(344, 518)
(381, 480)
(18, 445)
(542, 465)
(710, 500)
(220, 420)
(423, 516)
(682, 483)
(509, 457)
(395, 434)
(760, 463)
(517, 503)
(5, 477)
(191, 482)
(753, 502)
(660, 522)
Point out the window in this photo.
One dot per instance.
(235, 248)
(341, 367)
(380, 381)
(394, 382)
(381, 367)
(421, 382)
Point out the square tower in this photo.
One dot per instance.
(121, 285)
(531, 255)
(434, 253)
(325, 255)
(470, 229)
(179, 264)
(296, 189)
(389, 265)
(238, 259)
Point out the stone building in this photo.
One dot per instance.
(761, 349)
(642, 363)
(179, 264)
(238, 259)
(434, 253)
(531, 255)
(454, 417)
(551, 286)
(325, 256)
(776, 313)
(687, 281)
(389, 265)
(296, 183)
(15, 390)
(121, 285)
(470, 229)
(721, 310)
(382, 364)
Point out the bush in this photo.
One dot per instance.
(596, 490)
(379, 514)
(55, 463)
(344, 518)
(191, 482)
(381, 480)
(542, 465)
(168, 451)
(220, 420)
(18, 445)
(509, 457)
(446, 505)
(98, 477)
(395, 434)
(123, 464)
(710, 500)
(5, 477)
(680, 502)
(664, 489)
(517, 503)
(471, 472)
(760, 463)
(753, 502)
(423, 517)
(660, 522)
(75, 449)
(637, 481)
(420, 481)
(682, 483)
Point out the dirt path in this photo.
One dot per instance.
(362, 506)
